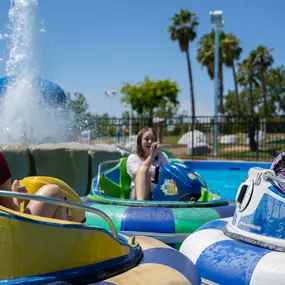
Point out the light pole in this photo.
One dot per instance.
(110, 94)
(130, 123)
(217, 23)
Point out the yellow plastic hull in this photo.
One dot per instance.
(33, 246)
(36, 250)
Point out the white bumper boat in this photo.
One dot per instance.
(248, 248)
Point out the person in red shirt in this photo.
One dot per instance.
(37, 208)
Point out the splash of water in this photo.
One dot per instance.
(25, 116)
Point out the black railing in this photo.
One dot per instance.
(239, 138)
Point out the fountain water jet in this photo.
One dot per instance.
(25, 115)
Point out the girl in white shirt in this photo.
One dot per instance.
(141, 166)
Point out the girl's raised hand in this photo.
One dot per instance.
(154, 149)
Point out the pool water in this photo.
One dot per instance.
(224, 178)
(223, 182)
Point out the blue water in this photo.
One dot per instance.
(225, 177)
(223, 182)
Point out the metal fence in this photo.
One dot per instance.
(239, 138)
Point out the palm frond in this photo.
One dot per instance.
(183, 28)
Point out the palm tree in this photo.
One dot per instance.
(206, 57)
(247, 77)
(206, 53)
(231, 52)
(183, 30)
(263, 60)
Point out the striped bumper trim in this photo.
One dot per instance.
(173, 259)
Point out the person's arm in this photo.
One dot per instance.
(162, 160)
(154, 151)
(6, 184)
(143, 177)
(6, 201)
(133, 164)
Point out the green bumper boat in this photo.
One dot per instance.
(181, 202)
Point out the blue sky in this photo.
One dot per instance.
(94, 45)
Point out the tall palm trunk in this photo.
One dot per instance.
(251, 98)
(236, 89)
(221, 87)
(191, 88)
(252, 123)
(150, 118)
(264, 93)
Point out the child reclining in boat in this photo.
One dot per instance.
(36, 208)
(141, 166)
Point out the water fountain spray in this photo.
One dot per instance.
(24, 114)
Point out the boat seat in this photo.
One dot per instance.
(116, 181)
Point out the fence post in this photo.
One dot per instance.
(257, 135)
(192, 144)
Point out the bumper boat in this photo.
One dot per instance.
(37, 250)
(250, 247)
(181, 202)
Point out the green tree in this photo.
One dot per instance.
(263, 60)
(206, 57)
(105, 116)
(166, 109)
(78, 103)
(146, 97)
(79, 106)
(183, 30)
(231, 51)
(206, 53)
(247, 77)
(275, 83)
(230, 103)
(126, 115)
(125, 118)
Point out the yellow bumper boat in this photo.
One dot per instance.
(37, 250)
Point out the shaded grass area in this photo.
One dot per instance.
(226, 152)
(268, 149)
(282, 142)
(171, 139)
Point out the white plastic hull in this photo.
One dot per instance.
(223, 260)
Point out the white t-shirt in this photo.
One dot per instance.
(134, 161)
